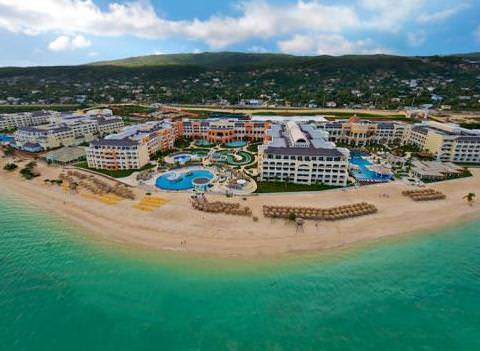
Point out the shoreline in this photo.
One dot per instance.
(224, 236)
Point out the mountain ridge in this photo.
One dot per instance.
(228, 59)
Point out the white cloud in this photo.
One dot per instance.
(256, 19)
(333, 44)
(65, 42)
(442, 15)
(390, 15)
(416, 38)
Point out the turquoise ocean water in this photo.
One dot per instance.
(62, 290)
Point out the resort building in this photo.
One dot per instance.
(435, 170)
(26, 119)
(37, 139)
(357, 132)
(301, 154)
(114, 155)
(132, 147)
(65, 155)
(156, 135)
(217, 130)
(67, 130)
(446, 142)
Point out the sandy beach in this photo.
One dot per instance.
(233, 236)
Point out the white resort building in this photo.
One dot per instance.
(132, 147)
(302, 154)
(25, 119)
(446, 142)
(66, 130)
(117, 154)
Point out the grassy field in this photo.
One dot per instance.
(31, 108)
(282, 187)
(114, 174)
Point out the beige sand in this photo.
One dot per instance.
(167, 226)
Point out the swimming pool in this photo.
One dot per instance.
(204, 142)
(182, 158)
(362, 173)
(182, 179)
(6, 138)
(236, 144)
(229, 158)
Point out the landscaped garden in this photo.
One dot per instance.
(240, 158)
(284, 187)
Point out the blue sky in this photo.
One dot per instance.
(57, 32)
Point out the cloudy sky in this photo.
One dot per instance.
(52, 32)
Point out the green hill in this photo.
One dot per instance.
(215, 60)
(223, 60)
(354, 80)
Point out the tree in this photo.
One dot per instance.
(470, 197)
(10, 167)
(8, 151)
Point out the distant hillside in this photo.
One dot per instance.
(383, 81)
(472, 55)
(223, 60)
(217, 60)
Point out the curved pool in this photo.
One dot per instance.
(182, 158)
(181, 180)
(362, 173)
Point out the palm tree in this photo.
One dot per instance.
(470, 197)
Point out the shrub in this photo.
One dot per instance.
(10, 167)
(29, 173)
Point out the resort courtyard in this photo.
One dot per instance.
(202, 166)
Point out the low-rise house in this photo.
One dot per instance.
(435, 170)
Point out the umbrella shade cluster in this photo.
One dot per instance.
(424, 195)
(97, 186)
(328, 214)
(221, 207)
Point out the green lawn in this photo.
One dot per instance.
(253, 147)
(282, 187)
(30, 108)
(114, 174)
(337, 114)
